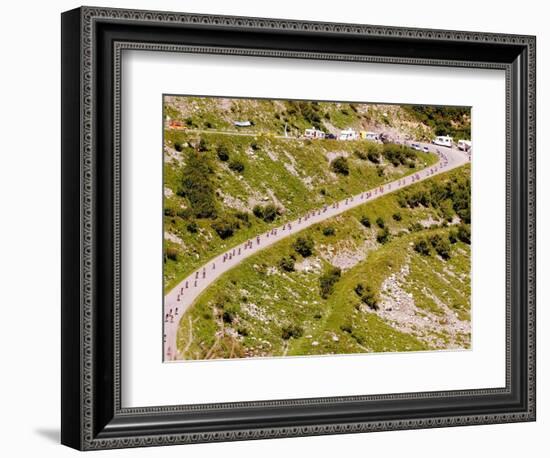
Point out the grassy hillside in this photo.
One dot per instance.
(390, 275)
(221, 190)
(415, 121)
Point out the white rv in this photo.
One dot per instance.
(464, 145)
(348, 134)
(314, 133)
(443, 140)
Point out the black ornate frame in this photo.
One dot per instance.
(92, 42)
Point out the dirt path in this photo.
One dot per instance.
(177, 301)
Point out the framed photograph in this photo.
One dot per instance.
(276, 228)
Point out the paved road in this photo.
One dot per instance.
(177, 301)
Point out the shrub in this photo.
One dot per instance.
(203, 145)
(268, 212)
(453, 236)
(369, 298)
(383, 235)
(198, 187)
(228, 316)
(464, 233)
(340, 165)
(365, 221)
(223, 154)
(169, 211)
(184, 213)
(441, 246)
(225, 227)
(304, 245)
(286, 263)
(291, 331)
(422, 246)
(397, 216)
(374, 157)
(328, 230)
(415, 227)
(359, 289)
(361, 155)
(328, 280)
(255, 146)
(367, 295)
(171, 253)
(346, 327)
(243, 216)
(192, 227)
(236, 165)
(380, 222)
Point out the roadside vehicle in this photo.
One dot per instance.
(372, 136)
(242, 123)
(443, 140)
(331, 136)
(464, 145)
(314, 133)
(348, 134)
(425, 149)
(415, 146)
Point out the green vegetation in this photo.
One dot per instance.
(205, 192)
(198, 187)
(304, 246)
(277, 305)
(340, 165)
(328, 280)
(453, 121)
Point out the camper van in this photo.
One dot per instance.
(348, 134)
(314, 133)
(443, 140)
(464, 145)
(372, 136)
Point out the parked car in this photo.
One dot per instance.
(415, 146)
(425, 149)
(331, 136)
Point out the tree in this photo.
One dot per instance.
(380, 222)
(178, 147)
(340, 165)
(397, 216)
(303, 245)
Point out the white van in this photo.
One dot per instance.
(348, 134)
(443, 140)
(314, 133)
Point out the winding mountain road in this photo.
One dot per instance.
(181, 297)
